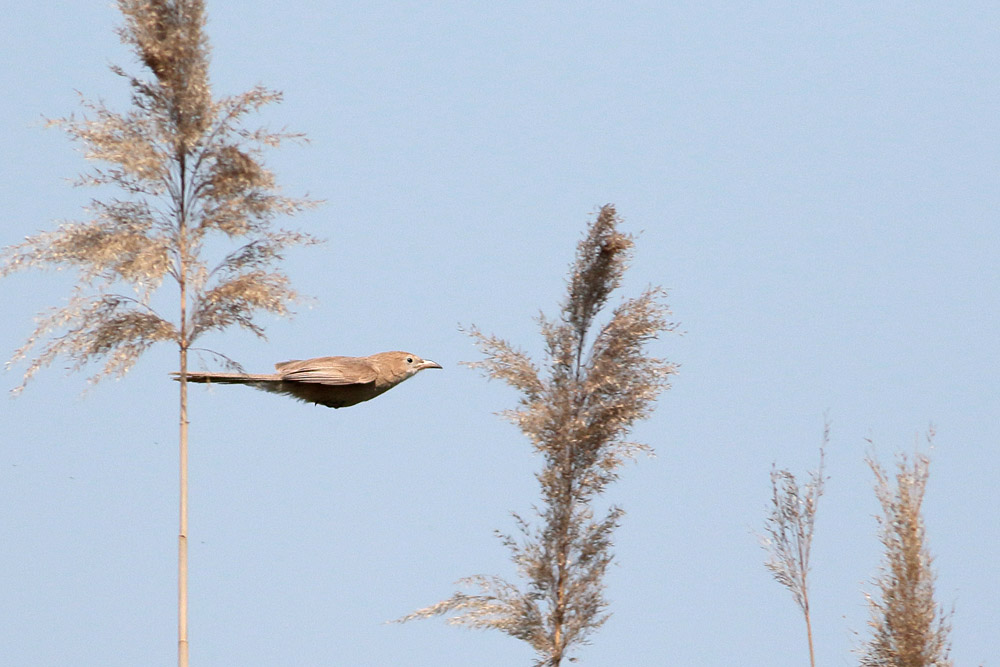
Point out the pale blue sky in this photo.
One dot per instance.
(816, 184)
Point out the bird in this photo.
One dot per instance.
(336, 382)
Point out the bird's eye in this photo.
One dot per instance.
(409, 360)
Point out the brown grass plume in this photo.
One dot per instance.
(578, 412)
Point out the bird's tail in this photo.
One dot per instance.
(229, 378)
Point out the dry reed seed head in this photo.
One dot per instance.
(576, 417)
(129, 141)
(168, 37)
(601, 258)
(188, 168)
(908, 627)
(234, 171)
(113, 251)
(107, 326)
(236, 301)
(790, 527)
(560, 350)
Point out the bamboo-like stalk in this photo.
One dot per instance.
(809, 632)
(182, 543)
(182, 546)
(803, 549)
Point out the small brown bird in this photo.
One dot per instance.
(336, 382)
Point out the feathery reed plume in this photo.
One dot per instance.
(790, 528)
(908, 629)
(578, 416)
(186, 169)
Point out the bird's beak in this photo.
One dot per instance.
(427, 363)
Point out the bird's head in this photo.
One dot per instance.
(402, 365)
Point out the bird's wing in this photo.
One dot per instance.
(328, 370)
